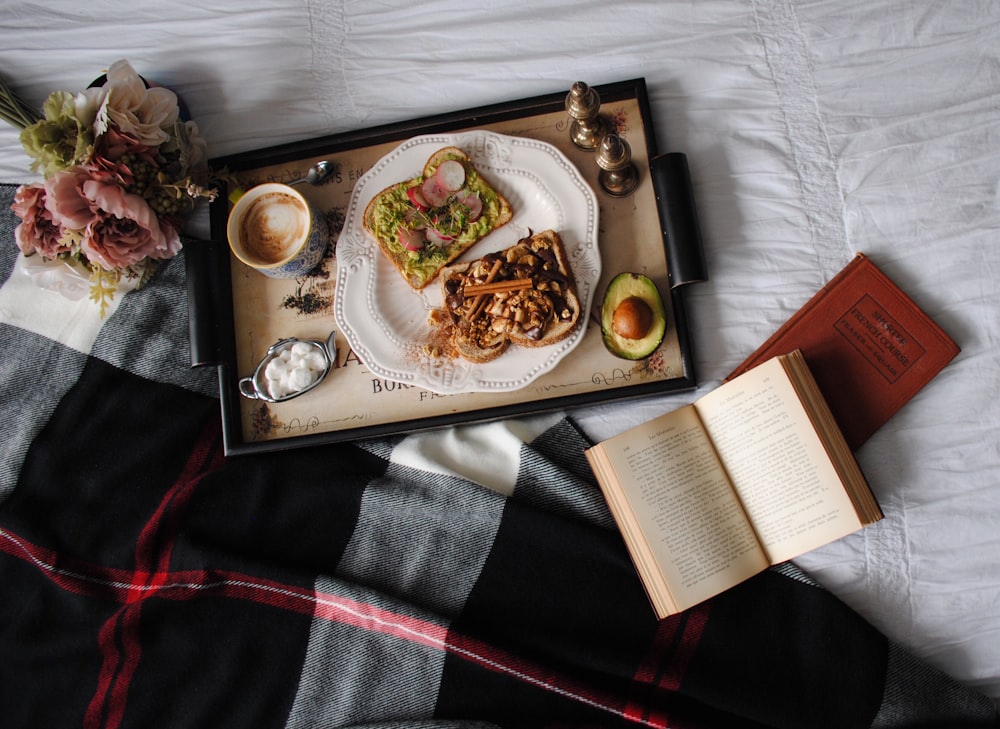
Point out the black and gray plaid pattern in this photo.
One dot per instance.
(147, 580)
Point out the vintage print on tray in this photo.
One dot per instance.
(386, 321)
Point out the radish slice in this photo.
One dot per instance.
(417, 198)
(414, 220)
(474, 203)
(451, 175)
(434, 194)
(412, 240)
(437, 238)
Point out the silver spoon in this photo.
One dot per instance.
(317, 173)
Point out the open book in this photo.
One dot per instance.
(753, 474)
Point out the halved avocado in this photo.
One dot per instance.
(633, 320)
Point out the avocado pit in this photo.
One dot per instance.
(632, 318)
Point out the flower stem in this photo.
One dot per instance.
(14, 110)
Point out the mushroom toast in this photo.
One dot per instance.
(424, 223)
(523, 295)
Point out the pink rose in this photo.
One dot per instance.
(65, 200)
(125, 229)
(112, 146)
(38, 232)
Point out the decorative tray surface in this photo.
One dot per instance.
(385, 321)
(377, 383)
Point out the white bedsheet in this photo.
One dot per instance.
(814, 130)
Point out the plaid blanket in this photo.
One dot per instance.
(146, 580)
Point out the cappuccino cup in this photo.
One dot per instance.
(273, 229)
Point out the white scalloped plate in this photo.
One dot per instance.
(385, 321)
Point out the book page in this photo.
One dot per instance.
(695, 529)
(777, 463)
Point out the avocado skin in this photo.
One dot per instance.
(622, 287)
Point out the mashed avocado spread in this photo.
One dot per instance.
(440, 229)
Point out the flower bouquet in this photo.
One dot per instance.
(122, 170)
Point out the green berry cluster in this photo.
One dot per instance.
(143, 172)
(167, 199)
(163, 195)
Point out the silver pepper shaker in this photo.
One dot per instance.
(618, 175)
(583, 104)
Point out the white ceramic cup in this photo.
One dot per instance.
(273, 229)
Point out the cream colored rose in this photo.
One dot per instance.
(146, 114)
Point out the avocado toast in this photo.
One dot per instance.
(424, 223)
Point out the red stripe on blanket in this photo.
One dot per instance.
(120, 645)
(673, 669)
(120, 648)
(500, 661)
(107, 708)
(118, 638)
(375, 619)
(667, 660)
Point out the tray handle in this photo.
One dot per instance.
(202, 269)
(678, 218)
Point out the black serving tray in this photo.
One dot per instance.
(235, 313)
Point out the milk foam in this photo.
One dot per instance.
(273, 226)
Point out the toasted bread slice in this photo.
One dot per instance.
(530, 299)
(421, 234)
(473, 337)
(558, 283)
(435, 160)
(478, 346)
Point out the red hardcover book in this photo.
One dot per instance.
(869, 346)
